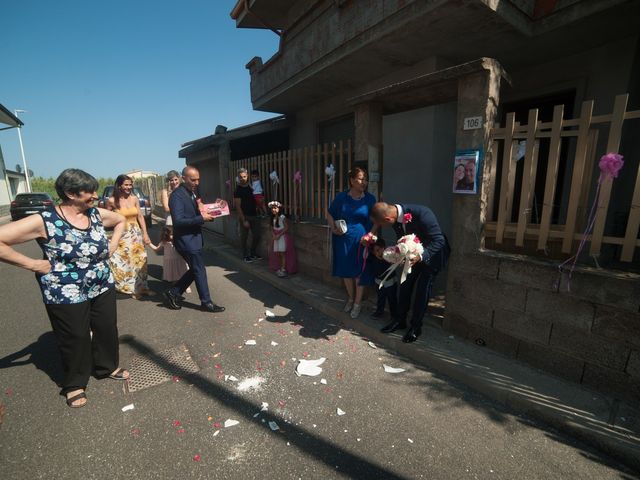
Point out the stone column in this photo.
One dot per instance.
(478, 96)
(368, 142)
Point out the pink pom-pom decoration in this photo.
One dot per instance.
(297, 177)
(407, 217)
(369, 239)
(611, 163)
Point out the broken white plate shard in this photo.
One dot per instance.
(250, 342)
(274, 344)
(215, 434)
(269, 313)
(340, 412)
(250, 383)
(389, 369)
(372, 345)
(226, 377)
(126, 408)
(230, 423)
(274, 426)
(232, 378)
(265, 407)
(310, 367)
(323, 381)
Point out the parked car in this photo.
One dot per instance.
(145, 204)
(26, 204)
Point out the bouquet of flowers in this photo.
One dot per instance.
(408, 249)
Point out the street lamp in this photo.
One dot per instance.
(24, 160)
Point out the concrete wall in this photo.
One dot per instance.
(515, 305)
(418, 147)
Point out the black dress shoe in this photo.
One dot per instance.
(212, 307)
(377, 314)
(171, 300)
(411, 335)
(393, 326)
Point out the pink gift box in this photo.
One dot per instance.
(219, 208)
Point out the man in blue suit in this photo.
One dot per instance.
(421, 221)
(187, 239)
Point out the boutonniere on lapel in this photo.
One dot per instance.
(407, 217)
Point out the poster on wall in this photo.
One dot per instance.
(465, 171)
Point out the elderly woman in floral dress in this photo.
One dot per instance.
(75, 279)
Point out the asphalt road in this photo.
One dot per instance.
(413, 424)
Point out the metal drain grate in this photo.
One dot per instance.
(148, 372)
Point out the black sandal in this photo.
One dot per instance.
(119, 374)
(75, 398)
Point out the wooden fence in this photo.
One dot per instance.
(583, 176)
(309, 197)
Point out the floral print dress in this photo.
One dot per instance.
(129, 261)
(79, 260)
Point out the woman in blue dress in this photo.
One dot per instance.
(75, 279)
(353, 207)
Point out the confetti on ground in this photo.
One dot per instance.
(196, 458)
(209, 418)
(232, 378)
(372, 345)
(126, 408)
(310, 368)
(215, 434)
(230, 423)
(181, 430)
(135, 432)
(389, 369)
(340, 412)
(323, 381)
(409, 440)
(261, 319)
(274, 344)
(264, 407)
(250, 383)
(175, 378)
(176, 423)
(250, 342)
(217, 425)
(9, 392)
(274, 426)
(269, 313)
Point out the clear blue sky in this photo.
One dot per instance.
(119, 85)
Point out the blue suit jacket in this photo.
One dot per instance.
(424, 225)
(187, 221)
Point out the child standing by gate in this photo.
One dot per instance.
(282, 255)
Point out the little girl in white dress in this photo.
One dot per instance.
(282, 255)
(173, 265)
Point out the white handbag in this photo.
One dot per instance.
(341, 226)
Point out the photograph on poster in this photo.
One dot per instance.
(465, 172)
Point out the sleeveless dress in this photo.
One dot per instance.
(129, 261)
(283, 244)
(79, 260)
(173, 265)
(348, 256)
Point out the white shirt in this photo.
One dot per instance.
(256, 185)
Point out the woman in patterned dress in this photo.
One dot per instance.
(129, 261)
(75, 279)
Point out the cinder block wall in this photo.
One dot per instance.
(516, 305)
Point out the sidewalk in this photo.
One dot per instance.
(604, 422)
